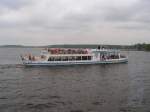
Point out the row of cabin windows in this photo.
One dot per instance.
(73, 58)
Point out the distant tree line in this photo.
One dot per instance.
(147, 47)
(139, 46)
(142, 47)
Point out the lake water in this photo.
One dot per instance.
(80, 88)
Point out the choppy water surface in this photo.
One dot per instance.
(86, 88)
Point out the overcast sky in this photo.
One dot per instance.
(44, 22)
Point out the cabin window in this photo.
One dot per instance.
(64, 58)
(72, 58)
(57, 58)
(89, 58)
(78, 58)
(51, 59)
(84, 57)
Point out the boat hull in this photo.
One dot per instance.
(63, 63)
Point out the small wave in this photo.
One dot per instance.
(101, 102)
(2, 98)
(76, 111)
(55, 97)
(40, 106)
(61, 102)
(7, 66)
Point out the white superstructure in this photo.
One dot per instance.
(71, 56)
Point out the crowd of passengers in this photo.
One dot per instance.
(104, 57)
(34, 58)
(67, 51)
(30, 57)
(113, 57)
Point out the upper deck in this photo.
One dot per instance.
(64, 51)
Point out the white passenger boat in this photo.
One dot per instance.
(71, 56)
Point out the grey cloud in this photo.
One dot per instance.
(12, 4)
(135, 27)
(64, 17)
(117, 15)
(138, 12)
